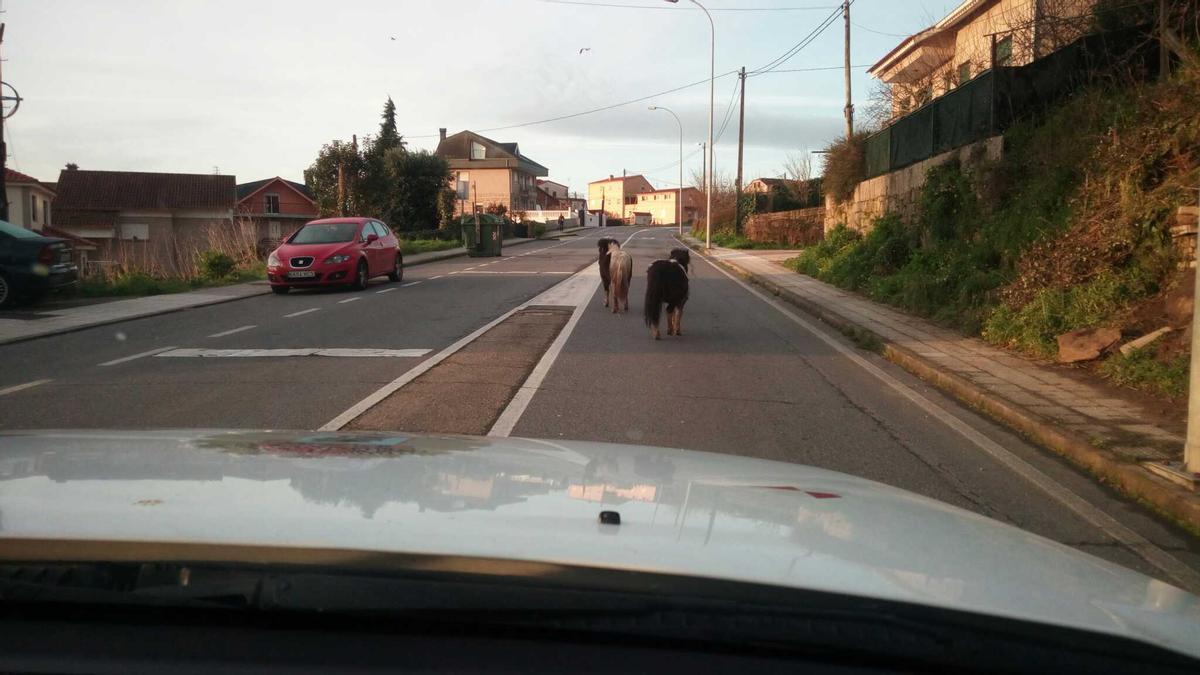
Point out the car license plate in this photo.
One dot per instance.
(301, 275)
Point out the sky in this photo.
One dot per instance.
(254, 88)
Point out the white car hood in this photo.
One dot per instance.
(682, 513)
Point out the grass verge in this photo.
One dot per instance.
(414, 246)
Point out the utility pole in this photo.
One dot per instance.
(704, 169)
(737, 218)
(1191, 450)
(849, 97)
(3, 152)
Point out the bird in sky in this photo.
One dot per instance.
(585, 49)
(393, 39)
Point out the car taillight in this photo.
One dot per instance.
(46, 255)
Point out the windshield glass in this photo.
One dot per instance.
(7, 228)
(325, 233)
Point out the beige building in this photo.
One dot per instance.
(28, 200)
(660, 205)
(617, 195)
(959, 47)
(488, 173)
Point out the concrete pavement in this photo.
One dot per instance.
(749, 377)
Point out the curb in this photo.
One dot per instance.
(1161, 496)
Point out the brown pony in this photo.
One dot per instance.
(620, 273)
(667, 283)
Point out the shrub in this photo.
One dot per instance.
(1140, 370)
(216, 265)
(539, 229)
(845, 166)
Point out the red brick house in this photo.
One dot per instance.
(276, 206)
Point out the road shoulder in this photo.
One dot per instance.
(1054, 412)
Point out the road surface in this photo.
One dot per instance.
(749, 377)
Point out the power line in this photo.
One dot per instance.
(796, 48)
(593, 110)
(582, 3)
(878, 32)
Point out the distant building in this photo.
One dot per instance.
(156, 221)
(765, 185)
(617, 195)
(493, 173)
(276, 206)
(553, 189)
(660, 205)
(959, 47)
(29, 200)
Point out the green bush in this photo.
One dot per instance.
(538, 231)
(1140, 370)
(414, 246)
(216, 265)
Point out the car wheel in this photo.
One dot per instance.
(280, 290)
(362, 277)
(6, 292)
(397, 273)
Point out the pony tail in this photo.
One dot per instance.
(652, 308)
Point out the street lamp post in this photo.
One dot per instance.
(679, 194)
(712, 96)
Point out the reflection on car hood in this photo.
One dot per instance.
(682, 512)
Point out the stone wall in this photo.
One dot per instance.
(1183, 233)
(899, 191)
(802, 227)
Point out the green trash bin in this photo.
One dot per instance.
(487, 242)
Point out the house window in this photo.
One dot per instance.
(46, 212)
(272, 204)
(1003, 54)
(133, 232)
(33, 208)
(964, 72)
(478, 151)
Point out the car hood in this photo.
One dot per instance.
(317, 251)
(684, 513)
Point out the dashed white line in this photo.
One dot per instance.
(437, 277)
(386, 290)
(22, 387)
(342, 302)
(336, 352)
(411, 283)
(302, 312)
(232, 331)
(134, 357)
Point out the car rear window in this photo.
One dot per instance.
(325, 233)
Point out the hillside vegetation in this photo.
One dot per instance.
(1069, 230)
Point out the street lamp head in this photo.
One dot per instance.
(653, 107)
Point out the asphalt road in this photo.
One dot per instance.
(745, 379)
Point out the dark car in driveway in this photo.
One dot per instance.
(31, 264)
(335, 252)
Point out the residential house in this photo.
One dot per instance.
(555, 190)
(490, 173)
(276, 207)
(659, 205)
(960, 46)
(551, 196)
(762, 186)
(29, 200)
(617, 195)
(156, 221)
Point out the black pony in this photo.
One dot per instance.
(605, 259)
(667, 282)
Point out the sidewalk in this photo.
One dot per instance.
(1097, 427)
(34, 322)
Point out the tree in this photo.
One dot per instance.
(322, 179)
(419, 182)
(376, 188)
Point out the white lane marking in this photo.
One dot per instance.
(302, 312)
(392, 387)
(134, 357)
(526, 272)
(233, 331)
(411, 283)
(578, 290)
(1164, 561)
(22, 387)
(437, 277)
(335, 352)
(348, 300)
(386, 290)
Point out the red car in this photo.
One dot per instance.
(335, 252)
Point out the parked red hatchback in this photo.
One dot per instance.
(335, 252)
